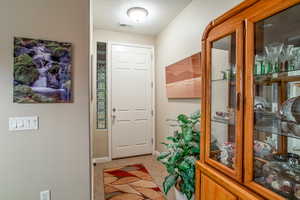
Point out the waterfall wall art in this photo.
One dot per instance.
(42, 71)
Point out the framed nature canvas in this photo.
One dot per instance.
(42, 71)
(183, 79)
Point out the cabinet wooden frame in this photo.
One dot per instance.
(215, 34)
(203, 102)
(268, 8)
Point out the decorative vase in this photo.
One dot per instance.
(180, 196)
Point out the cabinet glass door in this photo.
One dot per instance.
(276, 103)
(224, 99)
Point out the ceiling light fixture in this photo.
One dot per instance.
(137, 14)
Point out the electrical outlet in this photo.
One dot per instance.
(45, 195)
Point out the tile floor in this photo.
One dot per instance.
(156, 170)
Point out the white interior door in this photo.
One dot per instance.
(132, 121)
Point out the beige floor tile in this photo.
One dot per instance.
(156, 170)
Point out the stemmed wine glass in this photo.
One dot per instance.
(259, 65)
(273, 52)
(286, 57)
(296, 61)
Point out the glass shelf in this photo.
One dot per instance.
(216, 80)
(222, 121)
(277, 77)
(263, 160)
(227, 81)
(278, 74)
(275, 131)
(266, 112)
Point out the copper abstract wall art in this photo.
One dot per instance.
(183, 79)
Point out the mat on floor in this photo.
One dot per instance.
(132, 182)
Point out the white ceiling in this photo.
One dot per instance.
(108, 14)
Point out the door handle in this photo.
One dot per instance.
(113, 114)
(238, 100)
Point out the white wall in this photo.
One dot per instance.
(113, 36)
(180, 39)
(56, 156)
(100, 138)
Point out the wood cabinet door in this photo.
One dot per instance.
(222, 101)
(210, 190)
(272, 29)
(214, 185)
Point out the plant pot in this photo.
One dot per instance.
(180, 196)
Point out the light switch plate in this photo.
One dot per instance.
(45, 195)
(23, 123)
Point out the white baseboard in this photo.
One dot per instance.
(101, 160)
(156, 153)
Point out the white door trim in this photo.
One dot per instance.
(109, 90)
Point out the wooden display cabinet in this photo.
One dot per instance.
(250, 141)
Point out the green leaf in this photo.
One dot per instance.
(174, 158)
(184, 165)
(170, 168)
(169, 182)
(163, 155)
(168, 146)
(196, 149)
(196, 137)
(173, 139)
(183, 119)
(188, 188)
(188, 175)
(189, 194)
(187, 134)
(191, 160)
(196, 115)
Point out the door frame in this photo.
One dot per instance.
(109, 91)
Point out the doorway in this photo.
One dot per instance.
(132, 102)
(123, 102)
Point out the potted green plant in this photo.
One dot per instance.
(179, 159)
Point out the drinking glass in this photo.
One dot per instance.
(273, 52)
(286, 57)
(259, 65)
(296, 60)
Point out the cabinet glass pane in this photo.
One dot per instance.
(223, 104)
(101, 115)
(277, 103)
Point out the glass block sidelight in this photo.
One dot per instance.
(101, 87)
